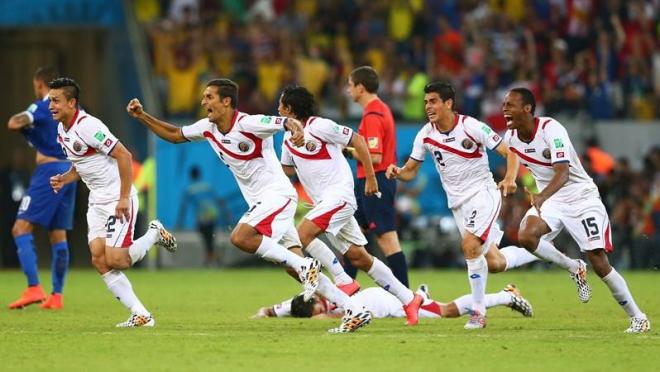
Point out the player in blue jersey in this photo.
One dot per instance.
(41, 205)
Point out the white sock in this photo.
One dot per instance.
(329, 260)
(383, 276)
(140, 247)
(478, 276)
(271, 251)
(122, 289)
(464, 303)
(622, 294)
(334, 294)
(517, 256)
(548, 252)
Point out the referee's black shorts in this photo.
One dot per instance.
(373, 213)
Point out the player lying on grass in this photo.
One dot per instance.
(382, 304)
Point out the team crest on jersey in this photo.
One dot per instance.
(77, 146)
(310, 146)
(546, 153)
(372, 142)
(467, 144)
(243, 146)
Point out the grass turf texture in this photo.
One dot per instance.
(203, 323)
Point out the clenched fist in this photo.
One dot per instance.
(134, 108)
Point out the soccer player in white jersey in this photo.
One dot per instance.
(458, 144)
(383, 304)
(568, 198)
(104, 165)
(245, 144)
(328, 180)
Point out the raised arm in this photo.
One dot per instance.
(162, 129)
(405, 173)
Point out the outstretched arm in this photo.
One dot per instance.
(162, 129)
(19, 121)
(405, 173)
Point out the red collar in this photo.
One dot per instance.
(72, 122)
(536, 127)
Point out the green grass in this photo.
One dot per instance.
(203, 323)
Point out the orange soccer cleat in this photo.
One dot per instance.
(350, 288)
(53, 302)
(30, 296)
(412, 310)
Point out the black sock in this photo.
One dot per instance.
(397, 262)
(349, 268)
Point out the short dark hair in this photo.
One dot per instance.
(444, 90)
(301, 308)
(527, 97)
(226, 88)
(46, 74)
(300, 100)
(367, 76)
(69, 86)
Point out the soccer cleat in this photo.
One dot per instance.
(518, 302)
(31, 295)
(137, 320)
(639, 325)
(165, 239)
(477, 321)
(53, 302)
(350, 288)
(412, 310)
(309, 276)
(352, 322)
(580, 279)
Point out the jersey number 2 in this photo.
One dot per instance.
(438, 157)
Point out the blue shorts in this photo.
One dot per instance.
(377, 215)
(41, 205)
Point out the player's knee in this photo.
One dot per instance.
(21, 228)
(496, 266)
(237, 238)
(362, 261)
(528, 239)
(99, 264)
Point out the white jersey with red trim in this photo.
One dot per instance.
(321, 166)
(88, 144)
(460, 156)
(247, 149)
(551, 145)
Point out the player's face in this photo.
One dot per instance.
(320, 306)
(436, 109)
(352, 90)
(215, 107)
(284, 110)
(514, 111)
(61, 108)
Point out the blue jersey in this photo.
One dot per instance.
(42, 134)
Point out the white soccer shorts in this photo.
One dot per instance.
(272, 216)
(478, 216)
(335, 217)
(102, 223)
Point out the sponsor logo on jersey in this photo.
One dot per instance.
(32, 108)
(373, 142)
(77, 146)
(558, 143)
(107, 142)
(546, 153)
(467, 144)
(486, 129)
(450, 139)
(593, 238)
(310, 146)
(560, 154)
(99, 136)
(243, 146)
(226, 141)
(346, 131)
(278, 121)
(529, 151)
(265, 120)
(495, 137)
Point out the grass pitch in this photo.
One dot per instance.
(203, 323)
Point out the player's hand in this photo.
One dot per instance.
(371, 186)
(297, 137)
(56, 183)
(508, 187)
(392, 172)
(536, 200)
(262, 313)
(134, 108)
(123, 210)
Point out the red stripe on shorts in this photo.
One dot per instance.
(484, 236)
(323, 221)
(128, 239)
(264, 227)
(608, 243)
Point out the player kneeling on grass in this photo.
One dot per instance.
(104, 165)
(383, 304)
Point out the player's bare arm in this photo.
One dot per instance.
(19, 121)
(558, 180)
(508, 184)
(58, 181)
(264, 312)
(297, 133)
(362, 155)
(124, 159)
(162, 129)
(405, 173)
(289, 170)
